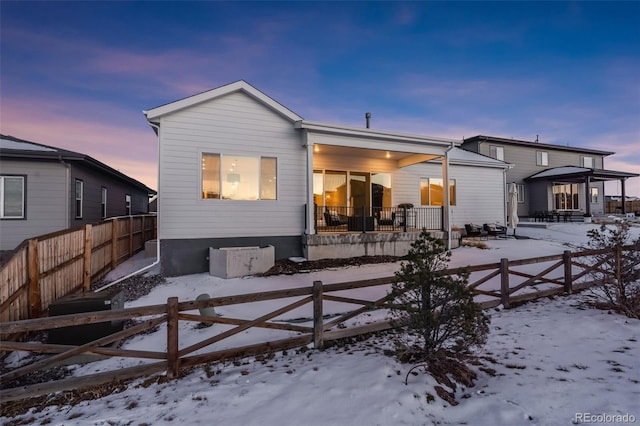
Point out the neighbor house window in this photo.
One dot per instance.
(594, 195)
(12, 197)
(496, 152)
(127, 204)
(542, 158)
(79, 197)
(587, 162)
(565, 196)
(519, 191)
(103, 204)
(431, 193)
(239, 177)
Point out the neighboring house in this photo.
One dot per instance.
(551, 177)
(238, 168)
(45, 189)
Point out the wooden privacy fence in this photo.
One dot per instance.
(48, 267)
(325, 319)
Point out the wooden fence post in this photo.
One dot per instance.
(88, 242)
(318, 340)
(114, 243)
(568, 273)
(504, 282)
(173, 362)
(130, 236)
(618, 267)
(35, 301)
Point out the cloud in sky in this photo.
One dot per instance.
(78, 75)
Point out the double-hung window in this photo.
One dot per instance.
(496, 152)
(239, 177)
(12, 197)
(127, 204)
(79, 198)
(587, 162)
(542, 158)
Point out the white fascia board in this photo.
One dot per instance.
(482, 164)
(404, 142)
(155, 113)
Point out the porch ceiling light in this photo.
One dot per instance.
(388, 155)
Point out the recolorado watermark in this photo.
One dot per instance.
(604, 418)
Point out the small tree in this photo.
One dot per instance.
(618, 276)
(436, 310)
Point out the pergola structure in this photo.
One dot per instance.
(572, 174)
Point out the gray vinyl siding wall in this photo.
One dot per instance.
(93, 182)
(231, 124)
(46, 201)
(524, 159)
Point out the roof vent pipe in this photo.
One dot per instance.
(367, 116)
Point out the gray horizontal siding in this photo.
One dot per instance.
(46, 201)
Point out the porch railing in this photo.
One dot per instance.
(404, 218)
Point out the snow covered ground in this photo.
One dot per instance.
(549, 362)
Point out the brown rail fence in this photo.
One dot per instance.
(48, 267)
(320, 311)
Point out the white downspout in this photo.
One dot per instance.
(447, 198)
(157, 261)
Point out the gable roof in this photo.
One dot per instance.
(505, 141)
(239, 86)
(15, 148)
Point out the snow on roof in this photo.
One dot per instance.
(24, 146)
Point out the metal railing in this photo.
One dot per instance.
(403, 218)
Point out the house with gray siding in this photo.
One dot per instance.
(551, 178)
(45, 189)
(237, 169)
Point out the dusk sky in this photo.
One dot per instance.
(77, 75)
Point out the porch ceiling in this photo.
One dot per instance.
(402, 159)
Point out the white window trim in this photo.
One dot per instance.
(78, 215)
(542, 160)
(103, 202)
(584, 162)
(221, 156)
(2, 192)
(498, 153)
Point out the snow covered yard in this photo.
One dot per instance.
(546, 363)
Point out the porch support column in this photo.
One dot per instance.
(587, 195)
(446, 201)
(310, 228)
(624, 197)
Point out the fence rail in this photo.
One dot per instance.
(48, 267)
(505, 282)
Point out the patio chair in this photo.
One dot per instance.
(494, 229)
(475, 231)
(332, 218)
(385, 218)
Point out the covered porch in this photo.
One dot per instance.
(364, 200)
(564, 201)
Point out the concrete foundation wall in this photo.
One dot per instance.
(233, 262)
(341, 246)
